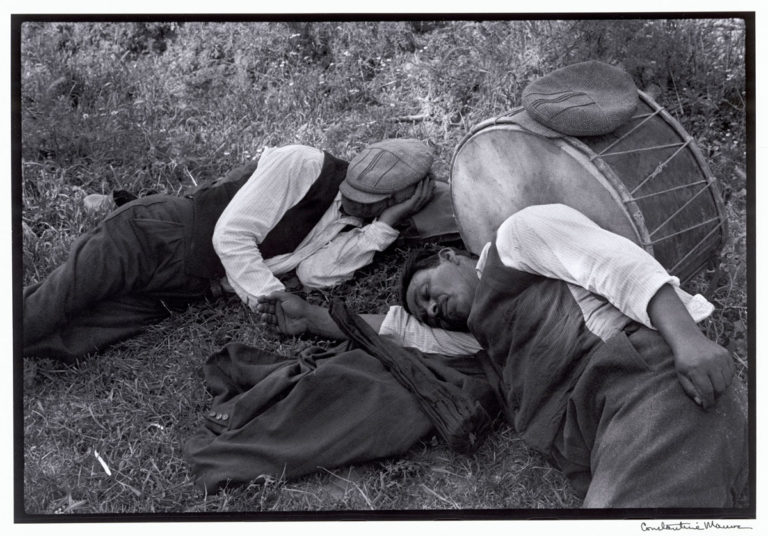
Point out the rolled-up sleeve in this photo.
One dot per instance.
(560, 242)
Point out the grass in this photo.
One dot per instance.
(161, 106)
(138, 402)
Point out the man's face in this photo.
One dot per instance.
(373, 210)
(442, 296)
(362, 210)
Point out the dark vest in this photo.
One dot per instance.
(210, 200)
(536, 340)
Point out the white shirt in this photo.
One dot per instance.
(611, 278)
(324, 258)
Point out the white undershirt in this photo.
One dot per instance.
(325, 257)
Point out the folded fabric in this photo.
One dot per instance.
(456, 410)
(278, 417)
(435, 220)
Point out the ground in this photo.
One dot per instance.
(159, 107)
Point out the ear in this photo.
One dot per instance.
(447, 254)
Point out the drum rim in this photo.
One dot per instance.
(593, 164)
(629, 205)
(712, 183)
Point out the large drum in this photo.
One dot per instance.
(646, 181)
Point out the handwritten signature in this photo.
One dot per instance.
(690, 525)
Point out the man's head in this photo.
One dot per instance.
(368, 211)
(438, 287)
(384, 174)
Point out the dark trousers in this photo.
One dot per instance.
(632, 438)
(120, 277)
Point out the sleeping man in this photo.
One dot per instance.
(593, 348)
(299, 209)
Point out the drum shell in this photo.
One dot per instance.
(646, 181)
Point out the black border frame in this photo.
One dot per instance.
(383, 515)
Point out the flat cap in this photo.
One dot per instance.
(584, 99)
(386, 167)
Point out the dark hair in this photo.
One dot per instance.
(422, 259)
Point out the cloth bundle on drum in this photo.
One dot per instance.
(456, 411)
(590, 98)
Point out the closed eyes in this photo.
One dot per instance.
(425, 298)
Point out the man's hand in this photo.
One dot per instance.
(421, 195)
(704, 368)
(284, 312)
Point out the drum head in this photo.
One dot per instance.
(501, 169)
